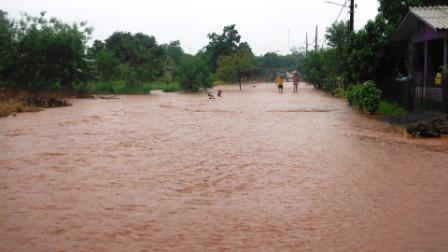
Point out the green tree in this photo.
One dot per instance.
(223, 44)
(175, 51)
(96, 48)
(336, 36)
(107, 64)
(194, 74)
(374, 54)
(7, 47)
(272, 60)
(313, 67)
(237, 66)
(174, 57)
(50, 51)
(140, 52)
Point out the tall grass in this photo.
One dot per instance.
(165, 87)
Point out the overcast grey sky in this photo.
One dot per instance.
(263, 23)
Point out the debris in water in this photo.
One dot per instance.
(431, 129)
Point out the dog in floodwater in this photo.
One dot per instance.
(219, 93)
(210, 96)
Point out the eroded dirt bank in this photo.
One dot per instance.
(254, 170)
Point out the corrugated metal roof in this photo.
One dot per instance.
(435, 16)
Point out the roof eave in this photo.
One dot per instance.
(398, 32)
(423, 20)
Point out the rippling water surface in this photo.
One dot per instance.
(253, 170)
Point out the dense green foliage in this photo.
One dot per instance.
(328, 68)
(237, 66)
(220, 45)
(108, 65)
(6, 46)
(268, 64)
(41, 52)
(144, 58)
(46, 54)
(194, 74)
(366, 96)
(372, 54)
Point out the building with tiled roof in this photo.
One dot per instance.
(425, 30)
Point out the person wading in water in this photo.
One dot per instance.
(279, 81)
(296, 81)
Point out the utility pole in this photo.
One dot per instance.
(351, 28)
(352, 16)
(316, 45)
(306, 47)
(351, 25)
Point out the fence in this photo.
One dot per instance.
(412, 94)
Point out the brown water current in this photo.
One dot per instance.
(251, 171)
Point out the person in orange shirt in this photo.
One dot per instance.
(279, 81)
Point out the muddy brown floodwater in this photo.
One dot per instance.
(251, 171)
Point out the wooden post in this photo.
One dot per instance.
(425, 73)
(445, 77)
(352, 16)
(410, 84)
(445, 52)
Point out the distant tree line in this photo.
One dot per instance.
(38, 53)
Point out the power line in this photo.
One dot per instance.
(316, 41)
(340, 12)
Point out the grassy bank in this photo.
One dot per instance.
(391, 109)
(11, 106)
(119, 87)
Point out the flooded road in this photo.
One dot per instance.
(251, 171)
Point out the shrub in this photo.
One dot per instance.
(130, 76)
(193, 74)
(107, 64)
(371, 97)
(354, 95)
(335, 87)
(329, 86)
(340, 88)
(340, 92)
(49, 51)
(365, 96)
